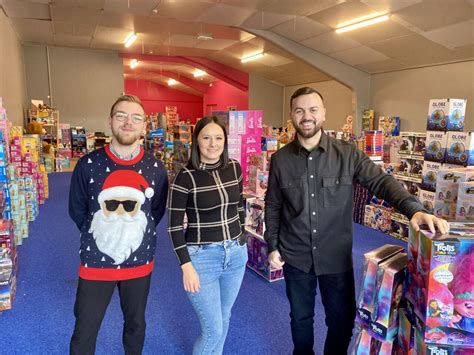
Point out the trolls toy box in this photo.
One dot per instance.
(368, 293)
(446, 294)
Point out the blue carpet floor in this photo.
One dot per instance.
(41, 321)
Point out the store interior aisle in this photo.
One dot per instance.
(41, 320)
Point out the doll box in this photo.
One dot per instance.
(367, 295)
(465, 204)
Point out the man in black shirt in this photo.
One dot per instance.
(308, 216)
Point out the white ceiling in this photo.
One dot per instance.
(418, 33)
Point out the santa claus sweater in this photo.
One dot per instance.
(117, 204)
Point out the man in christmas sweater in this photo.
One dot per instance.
(117, 198)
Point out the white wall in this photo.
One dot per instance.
(266, 96)
(84, 83)
(12, 73)
(407, 93)
(337, 100)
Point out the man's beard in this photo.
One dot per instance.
(125, 139)
(118, 236)
(307, 133)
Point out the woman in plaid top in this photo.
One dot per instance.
(212, 251)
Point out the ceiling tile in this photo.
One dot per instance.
(299, 7)
(457, 35)
(313, 77)
(87, 4)
(117, 20)
(225, 15)
(72, 41)
(465, 52)
(184, 10)
(380, 31)
(296, 68)
(63, 28)
(415, 50)
(338, 15)
(33, 30)
(330, 42)
(387, 6)
(240, 50)
(182, 41)
(27, 10)
(263, 20)
(76, 16)
(359, 55)
(274, 60)
(215, 44)
(300, 28)
(382, 66)
(110, 35)
(248, 4)
(137, 7)
(433, 14)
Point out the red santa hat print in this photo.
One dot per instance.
(125, 184)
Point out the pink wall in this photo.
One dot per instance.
(155, 97)
(221, 95)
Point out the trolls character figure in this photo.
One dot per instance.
(462, 288)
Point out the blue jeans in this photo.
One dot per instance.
(221, 268)
(338, 298)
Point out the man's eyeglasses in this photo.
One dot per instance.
(123, 116)
(112, 205)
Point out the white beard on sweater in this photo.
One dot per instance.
(118, 236)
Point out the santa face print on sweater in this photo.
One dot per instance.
(119, 225)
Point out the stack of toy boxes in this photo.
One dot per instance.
(42, 168)
(379, 299)
(256, 245)
(399, 226)
(29, 168)
(182, 132)
(249, 126)
(447, 146)
(377, 215)
(410, 166)
(156, 143)
(8, 265)
(465, 204)
(447, 190)
(17, 196)
(258, 174)
(440, 290)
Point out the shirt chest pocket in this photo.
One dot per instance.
(292, 190)
(337, 190)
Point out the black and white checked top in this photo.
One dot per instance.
(212, 200)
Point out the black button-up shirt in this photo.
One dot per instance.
(308, 204)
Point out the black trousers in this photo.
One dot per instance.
(92, 299)
(338, 298)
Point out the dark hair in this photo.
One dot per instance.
(304, 91)
(195, 159)
(126, 98)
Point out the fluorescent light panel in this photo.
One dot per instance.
(133, 63)
(363, 24)
(172, 82)
(252, 57)
(205, 37)
(130, 39)
(198, 73)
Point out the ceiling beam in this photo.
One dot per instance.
(231, 76)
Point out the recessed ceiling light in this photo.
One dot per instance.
(133, 63)
(198, 73)
(172, 82)
(130, 39)
(205, 37)
(252, 57)
(355, 26)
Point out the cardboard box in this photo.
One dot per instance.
(436, 143)
(460, 148)
(465, 203)
(446, 114)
